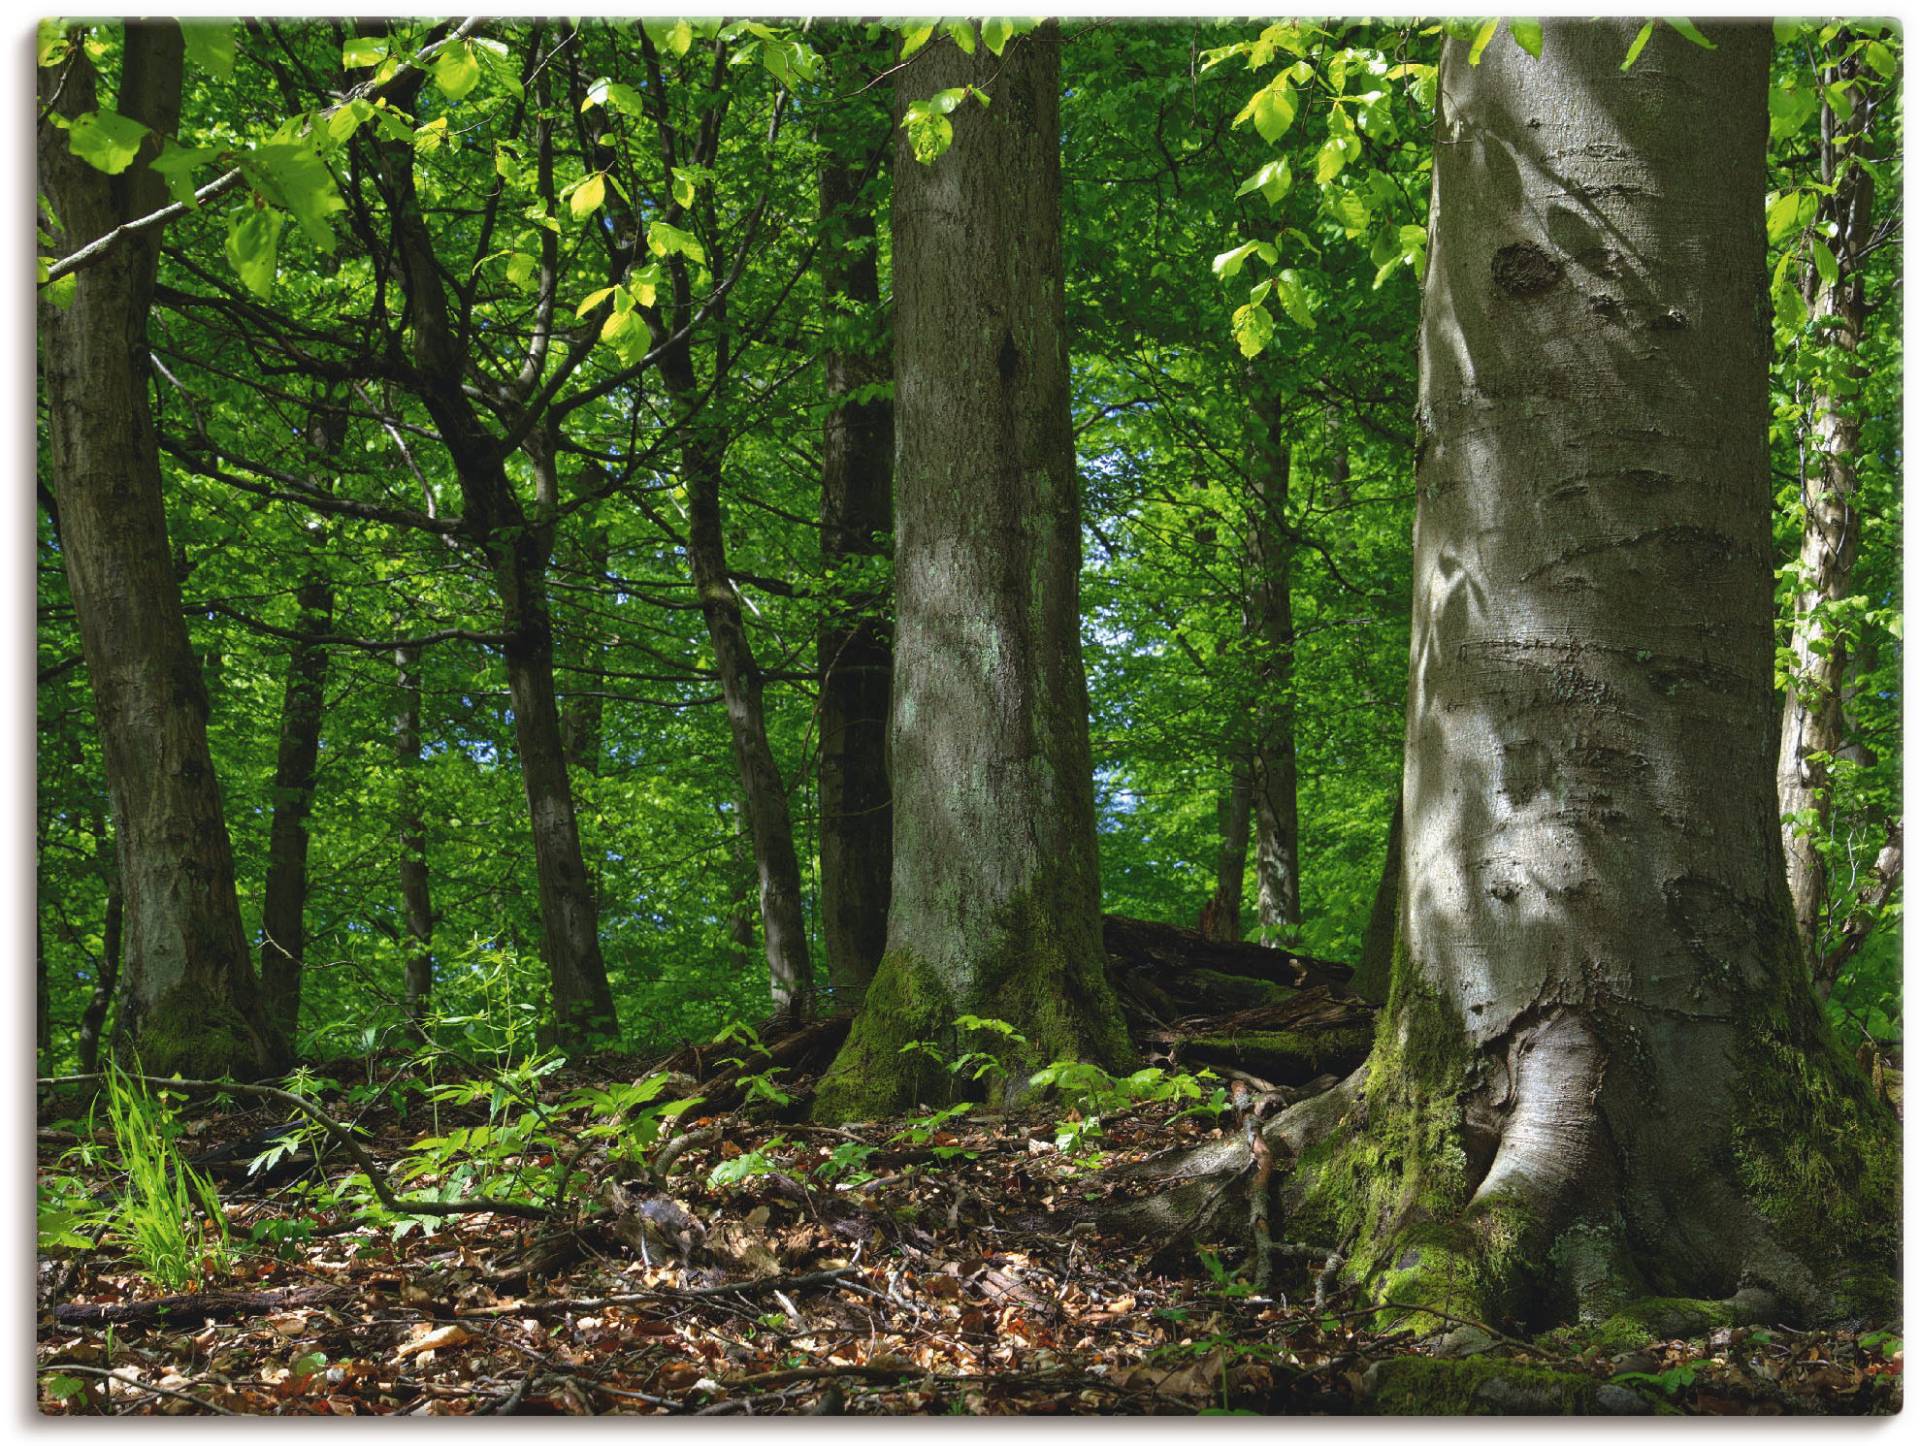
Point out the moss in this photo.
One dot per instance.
(1231, 991)
(1489, 1386)
(1041, 978)
(1817, 1154)
(197, 1034)
(1660, 1318)
(1284, 1056)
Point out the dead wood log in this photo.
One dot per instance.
(207, 1305)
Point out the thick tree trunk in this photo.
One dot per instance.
(1601, 1072)
(856, 519)
(192, 1001)
(416, 904)
(1275, 773)
(996, 888)
(302, 704)
(769, 821)
(582, 715)
(1813, 728)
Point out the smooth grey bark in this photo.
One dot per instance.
(1813, 726)
(192, 1002)
(1273, 759)
(856, 520)
(996, 891)
(416, 901)
(1601, 1071)
(302, 705)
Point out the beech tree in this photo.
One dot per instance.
(1600, 1072)
(995, 908)
(192, 1001)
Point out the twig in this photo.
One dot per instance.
(66, 1366)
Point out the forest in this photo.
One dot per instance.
(969, 716)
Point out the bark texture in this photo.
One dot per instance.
(1220, 920)
(995, 908)
(1813, 728)
(192, 1000)
(856, 521)
(1600, 1072)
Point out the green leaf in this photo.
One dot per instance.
(1783, 216)
(588, 195)
(520, 268)
(1293, 298)
(916, 35)
(664, 241)
(65, 1388)
(50, 45)
(296, 178)
(1690, 31)
(593, 299)
(176, 165)
(1482, 38)
(997, 32)
(928, 132)
(1273, 181)
(210, 45)
(106, 140)
(1639, 44)
(1840, 101)
(1825, 263)
(1272, 110)
(253, 246)
(363, 51)
(1228, 263)
(682, 187)
(1881, 59)
(1786, 28)
(1526, 35)
(456, 72)
(1252, 329)
(962, 33)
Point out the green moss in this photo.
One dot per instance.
(1041, 978)
(201, 1035)
(1232, 991)
(1660, 1318)
(1484, 1386)
(1284, 1056)
(1817, 1155)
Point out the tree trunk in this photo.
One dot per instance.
(416, 905)
(1275, 773)
(1220, 920)
(303, 702)
(192, 1001)
(1601, 1072)
(789, 964)
(518, 544)
(996, 888)
(1813, 727)
(856, 519)
(582, 715)
(1375, 970)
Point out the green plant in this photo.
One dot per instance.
(1091, 1093)
(757, 1161)
(167, 1215)
(1225, 1282)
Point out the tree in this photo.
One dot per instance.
(856, 520)
(192, 1002)
(1814, 728)
(996, 905)
(1600, 1071)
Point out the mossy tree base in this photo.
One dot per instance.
(1426, 1386)
(197, 1035)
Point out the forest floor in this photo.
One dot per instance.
(936, 1266)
